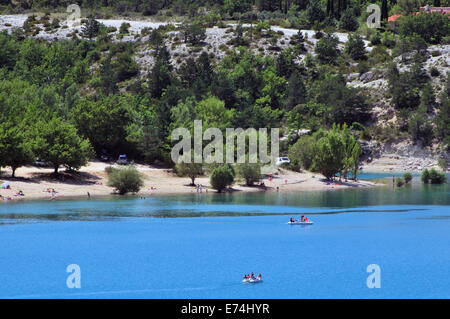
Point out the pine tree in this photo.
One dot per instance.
(355, 47)
(299, 40)
(90, 29)
(384, 10)
(296, 91)
(428, 99)
(442, 122)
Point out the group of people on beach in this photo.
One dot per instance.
(8, 198)
(52, 191)
(199, 188)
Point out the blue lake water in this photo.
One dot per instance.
(200, 246)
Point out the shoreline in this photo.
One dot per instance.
(34, 182)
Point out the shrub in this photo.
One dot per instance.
(221, 177)
(433, 176)
(326, 49)
(192, 170)
(109, 169)
(375, 38)
(124, 28)
(363, 67)
(434, 71)
(348, 21)
(437, 177)
(365, 135)
(379, 54)
(388, 40)
(251, 172)
(126, 180)
(407, 177)
(301, 153)
(399, 182)
(442, 163)
(90, 28)
(425, 176)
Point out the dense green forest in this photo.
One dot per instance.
(231, 9)
(70, 100)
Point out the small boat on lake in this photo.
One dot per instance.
(251, 279)
(302, 221)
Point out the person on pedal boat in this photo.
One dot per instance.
(292, 220)
(253, 276)
(302, 218)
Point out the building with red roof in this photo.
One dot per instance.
(394, 17)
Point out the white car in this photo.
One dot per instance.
(282, 160)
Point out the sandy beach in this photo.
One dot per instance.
(37, 183)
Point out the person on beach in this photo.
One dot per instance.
(88, 195)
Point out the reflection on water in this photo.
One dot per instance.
(333, 201)
(111, 216)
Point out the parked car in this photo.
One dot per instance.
(104, 157)
(123, 160)
(282, 160)
(41, 163)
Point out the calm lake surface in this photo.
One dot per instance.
(200, 246)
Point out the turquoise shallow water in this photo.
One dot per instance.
(199, 246)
